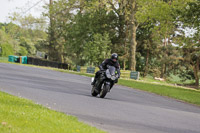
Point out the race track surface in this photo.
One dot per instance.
(124, 110)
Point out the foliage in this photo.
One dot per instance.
(23, 51)
(80, 31)
(7, 50)
(189, 17)
(27, 45)
(97, 49)
(23, 32)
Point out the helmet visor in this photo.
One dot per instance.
(114, 60)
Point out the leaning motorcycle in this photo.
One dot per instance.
(104, 82)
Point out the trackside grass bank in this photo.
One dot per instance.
(188, 95)
(4, 60)
(18, 115)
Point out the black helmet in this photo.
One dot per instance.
(114, 56)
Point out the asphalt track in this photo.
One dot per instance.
(124, 110)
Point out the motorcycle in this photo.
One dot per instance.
(104, 82)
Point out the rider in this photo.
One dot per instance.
(113, 61)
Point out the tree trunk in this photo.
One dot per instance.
(52, 34)
(146, 64)
(133, 43)
(164, 66)
(60, 53)
(163, 70)
(133, 49)
(196, 71)
(124, 63)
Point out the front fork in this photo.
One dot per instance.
(98, 85)
(101, 81)
(110, 84)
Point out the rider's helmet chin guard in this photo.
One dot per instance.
(114, 57)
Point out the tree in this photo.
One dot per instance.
(75, 31)
(6, 43)
(26, 31)
(7, 50)
(97, 49)
(190, 18)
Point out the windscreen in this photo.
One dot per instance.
(112, 70)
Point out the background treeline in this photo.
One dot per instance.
(156, 37)
(23, 36)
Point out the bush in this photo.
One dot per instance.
(6, 50)
(23, 51)
(155, 72)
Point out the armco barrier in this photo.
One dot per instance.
(78, 68)
(90, 69)
(124, 73)
(134, 75)
(11, 58)
(43, 62)
(23, 59)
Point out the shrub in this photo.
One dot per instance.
(6, 50)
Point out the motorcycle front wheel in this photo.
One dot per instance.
(93, 92)
(104, 91)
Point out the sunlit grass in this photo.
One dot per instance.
(4, 60)
(180, 93)
(19, 115)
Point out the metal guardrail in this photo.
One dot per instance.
(35, 61)
(47, 63)
(90, 69)
(85, 69)
(135, 75)
(124, 73)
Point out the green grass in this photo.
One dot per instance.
(152, 80)
(19, 115)
(4, 60)
(184, 94)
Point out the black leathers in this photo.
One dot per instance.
(105, 64)
(108, 62)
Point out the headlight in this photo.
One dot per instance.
(117, 76)
(113, 78)
(108, 74)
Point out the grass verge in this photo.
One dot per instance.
(18, 115)
(184, 94)
(4, 60)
